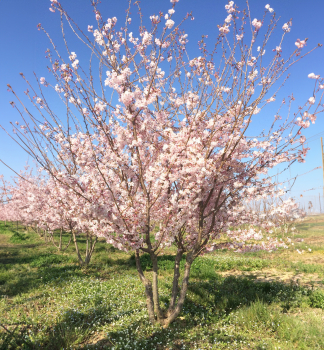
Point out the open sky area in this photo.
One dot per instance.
(23, 50)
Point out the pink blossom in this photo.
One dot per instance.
(85, 111)
(127, 98)
(73, 56)
(169, 23)
(312, 118)
(224, 29)
(147, 39)
(42, 80)
(229, 7)
(154, 19)
(257, 24)
(253, 74)
(300, 43)
(313, 76)
(75, 64)
(311, 100)
(228, 18)
(286, 27)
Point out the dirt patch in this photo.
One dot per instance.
(4, 241)
(100, 339)
(315, 240)
(314, 218)
(313, 258)
(275, 275)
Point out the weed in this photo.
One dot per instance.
(18, 237)
(48, 260)
(317, 298)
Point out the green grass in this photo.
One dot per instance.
(47, 301)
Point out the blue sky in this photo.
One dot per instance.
(23, 50)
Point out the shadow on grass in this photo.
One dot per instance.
(178, 334)
(75, 327)
(14, 338)
(165, 262)
(207, 303)
(307, 225)
(13, 255)
(231, 293)
(19, 273)
(24, 281)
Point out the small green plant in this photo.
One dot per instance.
(15, 339)
(18, 238)
(48, 260)
(317, 299)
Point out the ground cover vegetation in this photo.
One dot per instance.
(257, 300)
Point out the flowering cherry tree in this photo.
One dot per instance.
(156, 152)
(39, 203)
(61, 213)
(5, 212)
(15, 203)
(286, 214)
(277, 213)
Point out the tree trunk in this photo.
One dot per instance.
(60, 245)
(177, 295)
(148, 288)
(155, 288)
(77, 248)
(175, 311)
(176, 276)
(89, 249)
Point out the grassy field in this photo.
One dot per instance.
(252, 301)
